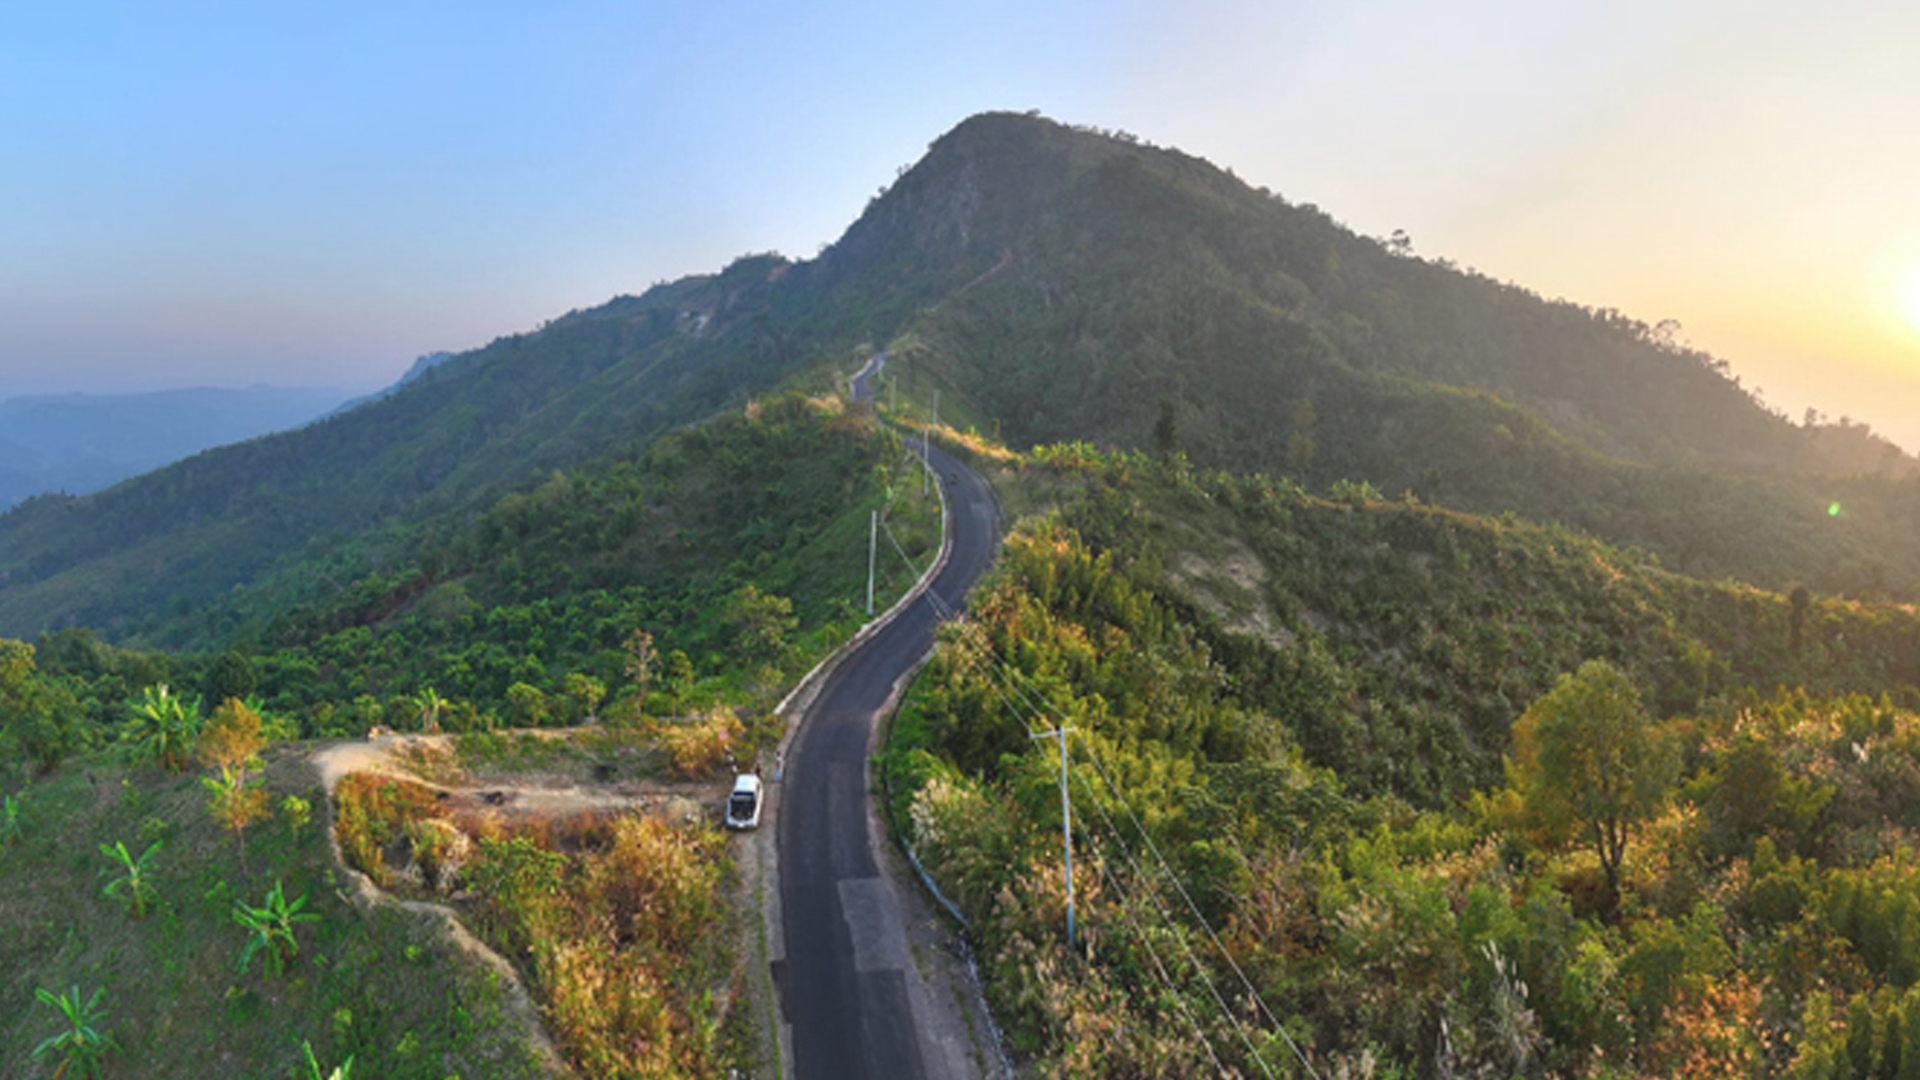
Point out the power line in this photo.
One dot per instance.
(1094, 759)
(998, 666)
(1173, 927)
(1014, 677)
(1159, 966)
(995, 665)
(982, 652)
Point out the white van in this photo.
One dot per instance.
(743, 806)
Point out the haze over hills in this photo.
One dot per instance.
(81, 443)
(1506, 689)
(1063, 284)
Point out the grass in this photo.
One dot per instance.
(382, 988)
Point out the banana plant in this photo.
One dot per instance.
(272, 928)
(164, 727)
(431, 705)
(343, 1072)
(83, 1045)
(135, 883)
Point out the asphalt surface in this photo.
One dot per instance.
(844, 988)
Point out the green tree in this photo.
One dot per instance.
(164, 727)
(82, 1046)
(1589, 763)
(231, 676)
(761, 623)
(679, 680)
(1798, 601)
(1166, 430)
(40, 721)
(1300, 444)
(272, 927)
(528, 702)
(586, 693)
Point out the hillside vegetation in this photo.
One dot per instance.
(660, 603)
(1062, 284)
(347, 495)
(1357, 739)
(738, 548)
(385, 989)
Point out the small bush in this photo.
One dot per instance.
(700, 749)
(374, 811)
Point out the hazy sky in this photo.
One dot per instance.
(200, 193)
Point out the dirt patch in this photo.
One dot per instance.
(1229, 588)
(432, 762)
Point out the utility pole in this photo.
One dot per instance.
(873, 547)
(1066, 820)
(893, 393)
(926, 460)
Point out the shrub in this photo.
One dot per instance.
(373, 812)
(699, 749)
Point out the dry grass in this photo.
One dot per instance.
(619, 921)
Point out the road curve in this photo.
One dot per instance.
(845, 989)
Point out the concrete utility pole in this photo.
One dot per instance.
(1066, 819)
(873, 542)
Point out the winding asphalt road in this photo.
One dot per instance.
(845, 987)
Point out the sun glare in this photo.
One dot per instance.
(1910, 299)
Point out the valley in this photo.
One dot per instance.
(1459, 682)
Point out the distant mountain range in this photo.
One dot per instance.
(81, 443)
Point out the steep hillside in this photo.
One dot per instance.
(1452, 796)
(1060, 284)
(1141, 297)
(585, 385)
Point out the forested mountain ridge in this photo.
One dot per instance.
(1060, 284)
(1137, 293)
(590, 383)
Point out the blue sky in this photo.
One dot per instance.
(197, 193)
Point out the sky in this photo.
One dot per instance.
(230, 194)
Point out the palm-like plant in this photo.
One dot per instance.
(272, 926)
(343, 1072)
(82, 1045)
(431, 705)
(135, 883)
(10, 829)
(164, 726)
